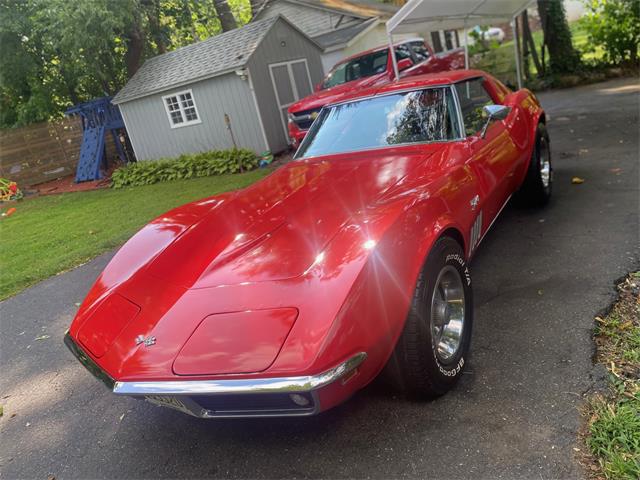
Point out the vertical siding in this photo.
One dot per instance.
(296, 46)
(152, 136)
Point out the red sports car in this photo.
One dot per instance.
(288, 296)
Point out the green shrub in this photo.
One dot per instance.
(214, 162)
(614, 25)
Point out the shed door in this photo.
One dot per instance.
(291, 82)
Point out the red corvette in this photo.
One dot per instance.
(287, 297)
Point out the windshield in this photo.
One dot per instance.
(364, 66)
(407, 117)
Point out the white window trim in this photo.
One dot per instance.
(184, 116)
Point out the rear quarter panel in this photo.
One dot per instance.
(523, 124)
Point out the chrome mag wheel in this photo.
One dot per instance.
(545, 164)
(447, 314)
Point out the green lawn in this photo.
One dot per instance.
(50, 234)
(500, 61)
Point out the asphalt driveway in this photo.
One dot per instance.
(540, 277)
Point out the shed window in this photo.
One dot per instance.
(181, 109)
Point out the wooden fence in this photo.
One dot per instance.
(40, 152)
(44, 151)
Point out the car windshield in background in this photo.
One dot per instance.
(399, 118)
(360, 67)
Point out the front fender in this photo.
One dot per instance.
(141, 249)
(373, 314)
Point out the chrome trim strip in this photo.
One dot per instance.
(184, 389)
(240, 386)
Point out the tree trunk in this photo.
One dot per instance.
(153, 15)
(135, 47)
(227, 20)
(525, 47)
(563, 58)
(256, 5)
(528, 40)
(516, 39)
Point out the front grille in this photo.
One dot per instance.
(305, 118)
(257, 403)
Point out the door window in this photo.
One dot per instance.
(403, 51)
(420, 51)
(473, 97)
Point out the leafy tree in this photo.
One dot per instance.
(615, 26)
(563, 58)
(56, 53)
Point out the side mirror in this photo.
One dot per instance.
(493, 112)
(404, 64)
(318, 86)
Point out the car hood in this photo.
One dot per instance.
(275, 229)
(334, 94)
(219, 283)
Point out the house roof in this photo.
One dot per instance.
(367, 14)
(342, 36)
(216, 55)
(360, 8)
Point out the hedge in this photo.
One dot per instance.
(214, 162)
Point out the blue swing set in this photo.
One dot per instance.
(98, 116)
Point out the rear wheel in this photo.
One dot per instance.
(432, 350)
(536, 188)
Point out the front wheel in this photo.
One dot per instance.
(432, 349)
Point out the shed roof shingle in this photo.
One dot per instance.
(205, 59)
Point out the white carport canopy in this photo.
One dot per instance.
(433, 15)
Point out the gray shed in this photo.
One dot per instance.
(186, 100)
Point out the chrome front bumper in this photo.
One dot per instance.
(260, 397)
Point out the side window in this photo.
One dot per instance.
(473, 97)
(402, 51)
(420, 51)
(380, 63)
(181, 109)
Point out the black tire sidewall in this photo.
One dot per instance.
(424, 374)
(532, 192)
(447, 252)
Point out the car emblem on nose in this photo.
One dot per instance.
(147, 341)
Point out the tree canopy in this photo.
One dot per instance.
(56, 53)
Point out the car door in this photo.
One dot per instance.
(493, 158)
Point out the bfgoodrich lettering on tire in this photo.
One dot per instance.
(431, 352)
